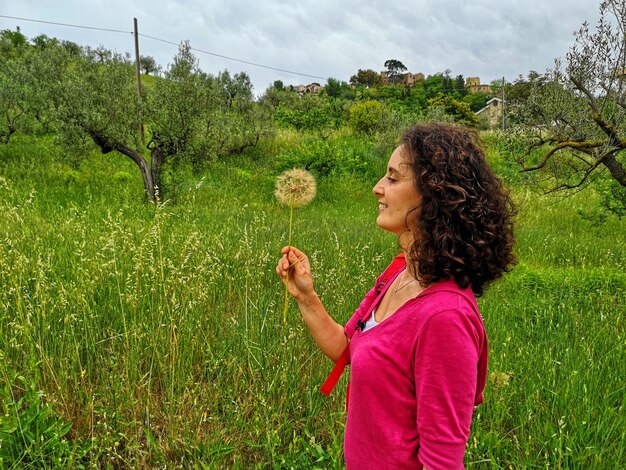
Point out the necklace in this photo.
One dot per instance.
(399, 288)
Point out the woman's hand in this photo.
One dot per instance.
(294, 269)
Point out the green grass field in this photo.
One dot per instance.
(132, 336)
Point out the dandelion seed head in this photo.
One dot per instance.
(295, 188)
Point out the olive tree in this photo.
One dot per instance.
(14, 97)
(19, 102)
(148, 65)
(573, 123)
(95, 100)
(197, 117)
(188, 115)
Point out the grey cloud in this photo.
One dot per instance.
(488, 38)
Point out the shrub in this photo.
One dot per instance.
(327, 157)
(460, 110)
(323, 117)
(368, 116)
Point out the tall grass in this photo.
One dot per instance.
(157, 331)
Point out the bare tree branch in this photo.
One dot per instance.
(574, 145)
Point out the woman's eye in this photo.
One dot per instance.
(390, 179)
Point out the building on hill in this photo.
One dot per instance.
(492, 112)
(313, 88)
(473, 85)
(408, 79)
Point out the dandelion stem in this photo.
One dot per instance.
(294, 188)
(287, 278)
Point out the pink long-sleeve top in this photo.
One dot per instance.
(414, 381)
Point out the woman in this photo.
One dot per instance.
(417, 345)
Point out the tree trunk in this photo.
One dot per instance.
(150, 171)
(146, 171)
(156, 163)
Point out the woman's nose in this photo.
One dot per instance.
(377, 189)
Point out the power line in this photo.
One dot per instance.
(67, 24)
(236, 60)
(169, 42)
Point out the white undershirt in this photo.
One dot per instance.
(371, 322)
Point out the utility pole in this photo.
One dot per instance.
(503, 104)
(138, 69)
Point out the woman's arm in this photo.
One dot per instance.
(446, 359)
(295, 270)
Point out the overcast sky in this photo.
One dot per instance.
(326, 38)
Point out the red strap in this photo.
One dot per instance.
(334, 375)
(396, 265)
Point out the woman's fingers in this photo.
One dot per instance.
(292, 249)
(282, 267)
(294, 270)
(294, 263)
(285, 264)
(297, 263)
(280, 270)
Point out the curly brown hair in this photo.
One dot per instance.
(463, 226)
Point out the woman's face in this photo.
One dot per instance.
(397, 195)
